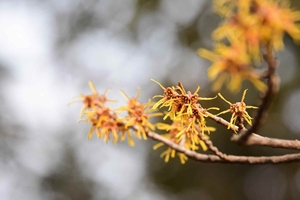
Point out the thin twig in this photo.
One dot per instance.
(213, 148)
(241, 124)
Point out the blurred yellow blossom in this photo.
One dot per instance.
(257, 23)
(277, 19)
(231, 64)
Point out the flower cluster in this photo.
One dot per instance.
(188, 128)
(232, 63)
(250, 26)
(258, 22)
(188, 118)
(107, 123)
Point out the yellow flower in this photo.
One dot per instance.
(104, 122)
(246, 28)
(170, 153)
(276, 19)
(231, 63)
(257, 22)
(191, 132)
(92, 101)
(185, 135)
(238, 110)
(188, 107)
(182, 105)
(138, 116)
(167, 100)
(125, 132)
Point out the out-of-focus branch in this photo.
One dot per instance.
(228, 158)
(273, 87)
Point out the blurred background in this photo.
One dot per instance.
(51, 49)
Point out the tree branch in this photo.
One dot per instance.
(229, 158)
(213, 148)
(273, 87)
(257, 140)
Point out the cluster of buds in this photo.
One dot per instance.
(107, 123)
(250, 26)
